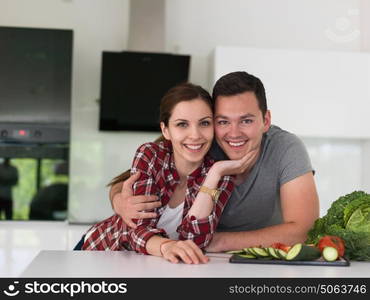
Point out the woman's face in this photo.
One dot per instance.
(190, 129)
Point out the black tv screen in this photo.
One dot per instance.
(132, 85)
(35, 75)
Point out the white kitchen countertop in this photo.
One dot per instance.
(131, 265)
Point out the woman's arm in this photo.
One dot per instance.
(143, 162)
(203, 217)
(203, 204)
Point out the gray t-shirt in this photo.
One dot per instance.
(255, 203)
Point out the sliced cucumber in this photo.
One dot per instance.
(302, 252)
(330, 254)
(280, 253)
(246, 256)
(248, 251)
(273, 253)
(260, 252)
(251, 251)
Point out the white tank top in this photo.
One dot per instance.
(170, 219)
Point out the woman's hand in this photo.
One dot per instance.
(236, 167)
(186, 251)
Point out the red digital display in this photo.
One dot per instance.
(21, 133)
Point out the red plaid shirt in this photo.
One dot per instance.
(159, 177)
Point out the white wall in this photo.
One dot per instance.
(197, 27)
(313, 93)
(339, 165)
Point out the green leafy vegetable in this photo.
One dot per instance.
(349, 218)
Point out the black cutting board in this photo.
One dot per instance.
(236, 259)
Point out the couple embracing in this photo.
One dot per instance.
(220, 178)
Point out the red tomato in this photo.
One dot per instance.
(332, 241)
(280, 246)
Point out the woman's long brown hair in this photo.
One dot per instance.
(177, 94)
(125, 175)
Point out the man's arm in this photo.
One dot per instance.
(300, 209)
(131, 207)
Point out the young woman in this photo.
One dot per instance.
(193, 190)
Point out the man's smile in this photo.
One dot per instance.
(236, 144)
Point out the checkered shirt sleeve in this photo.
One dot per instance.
(109, 234)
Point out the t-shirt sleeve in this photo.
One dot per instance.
(294, 161)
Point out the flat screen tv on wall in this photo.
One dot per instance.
(132, 85)
(35, 75)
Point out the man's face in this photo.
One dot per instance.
(239, 124)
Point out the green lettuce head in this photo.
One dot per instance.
(359, 220)
(349, 218)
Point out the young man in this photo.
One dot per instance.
(275, 198)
